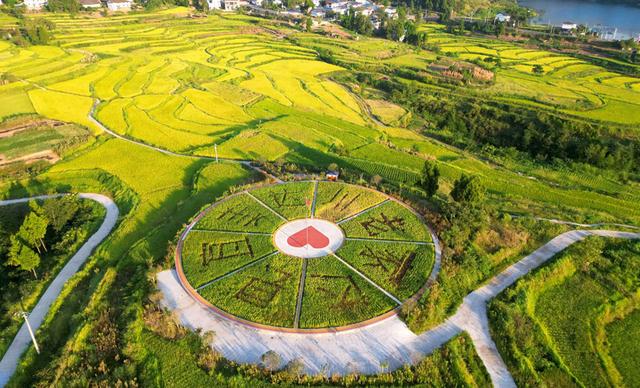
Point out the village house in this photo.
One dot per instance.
(119, 5)
(34, 5)
(375, 20)
(367, 9)
(333, 176)
(231, 5)
(214, 4)
(318, 13)
(91, 4)
(502, 18)
(568, 26)
(391, 12)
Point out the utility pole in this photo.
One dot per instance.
(33, 337)
(215, 147)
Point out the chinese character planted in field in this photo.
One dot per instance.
(226, 250)
(260, 292)
(378, 225)
(343, 200)
(345, 297)
(283, 199)
(393, 263)
(244, 216)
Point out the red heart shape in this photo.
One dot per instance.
(308, 236)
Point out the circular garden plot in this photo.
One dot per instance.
(305, 256)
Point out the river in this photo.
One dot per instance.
(611, 15)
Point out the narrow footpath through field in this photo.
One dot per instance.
(22, 340)
(365, 349)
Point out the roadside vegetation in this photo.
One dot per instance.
(178, 357)
(574, 322)
(36, 241)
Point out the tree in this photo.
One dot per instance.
(295, 367)
(22, 256)
(309, 24)
(36, 31)
(538, 69)
(468, 189)
(4, 240)
(430, 176)
(356, 21)
(70, 6)
(306, 6)
(58, 211)
(33, 230)
(271, 360)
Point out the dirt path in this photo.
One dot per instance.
(22, 340)
(364, 349)
(47, 155)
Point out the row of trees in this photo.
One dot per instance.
(396, 29)
(32, 31)
(542, 135)
(467, 189)
(43, 226)
(28, 240)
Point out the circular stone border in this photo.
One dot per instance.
(186, 285)
(283, 235)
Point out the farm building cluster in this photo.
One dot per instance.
(111, 5)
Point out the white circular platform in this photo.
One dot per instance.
(308, 238)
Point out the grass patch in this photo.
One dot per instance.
(401, 269)
(390, 221)
(264, 293)
(208, 255)
(240, 213)
(336, 296)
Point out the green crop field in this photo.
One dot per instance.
(401, 269)
(389, 221)
(572, 314)
(249, 89)
(263, 293)
(291, 201)
(622, 334)
(208, 255)
(338, 201)
(336, 296)
(241, 213)
(38, 138)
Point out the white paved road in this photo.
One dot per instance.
(22, 341)
(365, 349)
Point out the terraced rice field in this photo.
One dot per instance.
(181, 86)
(238, 83)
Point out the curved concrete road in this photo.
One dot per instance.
(22, 340)
(365, 349)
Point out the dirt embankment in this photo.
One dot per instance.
(14, 127)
